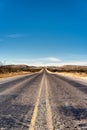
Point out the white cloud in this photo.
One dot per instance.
(57, 63)
(45, 61)
(75, 63)
(15, 35)
(49, 59)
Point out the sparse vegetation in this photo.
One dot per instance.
(69, 68)
(11, 70)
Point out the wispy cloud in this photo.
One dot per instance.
(45, 61)
(15, 35)
(36, 63)
(84, 63)
(48, 59)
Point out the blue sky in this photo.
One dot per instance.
(43, 32)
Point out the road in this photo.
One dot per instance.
(43, 101)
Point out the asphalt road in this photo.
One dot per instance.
(43, 101)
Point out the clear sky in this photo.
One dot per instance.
(42, 32)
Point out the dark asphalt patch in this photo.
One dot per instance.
(74, 113)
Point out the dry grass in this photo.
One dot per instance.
(13, 70)
(71, 70)
(5, 75)
(74, 74)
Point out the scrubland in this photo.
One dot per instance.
(13, 70)
(70, 70)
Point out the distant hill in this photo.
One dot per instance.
(68, 68)
(17, 68)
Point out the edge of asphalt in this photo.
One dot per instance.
(79, 80)
(8, 79)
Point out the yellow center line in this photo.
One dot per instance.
(48, 107)
(33, 120)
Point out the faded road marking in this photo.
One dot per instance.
(48, 107)
(33, 120)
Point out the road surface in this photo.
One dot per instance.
(43, 101)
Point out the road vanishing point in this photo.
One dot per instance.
(43, 101)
